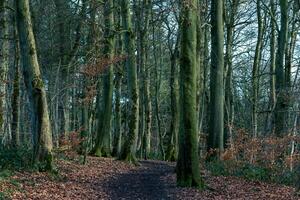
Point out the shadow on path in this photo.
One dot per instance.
(146, 182)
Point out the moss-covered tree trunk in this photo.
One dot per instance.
(216, 121)
(146, 79)
(102, 145)
(281, 103)
(172, 135)
(119, 70)
(40, 127)
(129, 148)
(188, 170)
(117, 144)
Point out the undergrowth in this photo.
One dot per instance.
(267, 159)
(252, 172)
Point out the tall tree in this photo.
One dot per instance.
(146, 79)
(272, 67)
(129, 148)
(216, 124)
(281, 105)
(102, 146)
(172, 136)
(230, 17)
(188, 170)
(255, 69)
(41, 129)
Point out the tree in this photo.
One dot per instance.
(272, 97)
(188, 171)
(172, 143)
(102, 146)
(129, 148)
(281, 103)
(255, 69)
(216, 123)
(41, 128)
(230, 17)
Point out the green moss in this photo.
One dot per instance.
(37, 83)
(130, 158)
(45, 164)
(191, 182)
(171, 153)
(96, 152)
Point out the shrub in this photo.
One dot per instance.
(268, 159)
(15, 158)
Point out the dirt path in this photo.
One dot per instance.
(147, 182)
(152, 180)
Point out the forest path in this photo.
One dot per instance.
(106, 178)
(148, 181)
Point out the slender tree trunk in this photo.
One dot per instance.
(216, 125)
(255, 70)
(272, 68)
(171, 152)
(188, 170)
(41, 129)
(229, 105)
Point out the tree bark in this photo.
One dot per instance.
(216, 124)
(188, 170)
(129, 148)
(281, 103)
(255, 70)
(102, 146)
(41, 129)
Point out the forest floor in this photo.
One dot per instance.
(103, 178)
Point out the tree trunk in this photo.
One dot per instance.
(129, 148)
(41, 129)
(188, 170)
(281, 103)
(102, 146)
(255, 70)
(270, 122)
(216, 125)
(229, 106)
(171, 152)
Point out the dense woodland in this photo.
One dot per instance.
(212, 85)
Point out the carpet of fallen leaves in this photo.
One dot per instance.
(104, 178)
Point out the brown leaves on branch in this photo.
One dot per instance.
(92, 71)
(97, 66)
